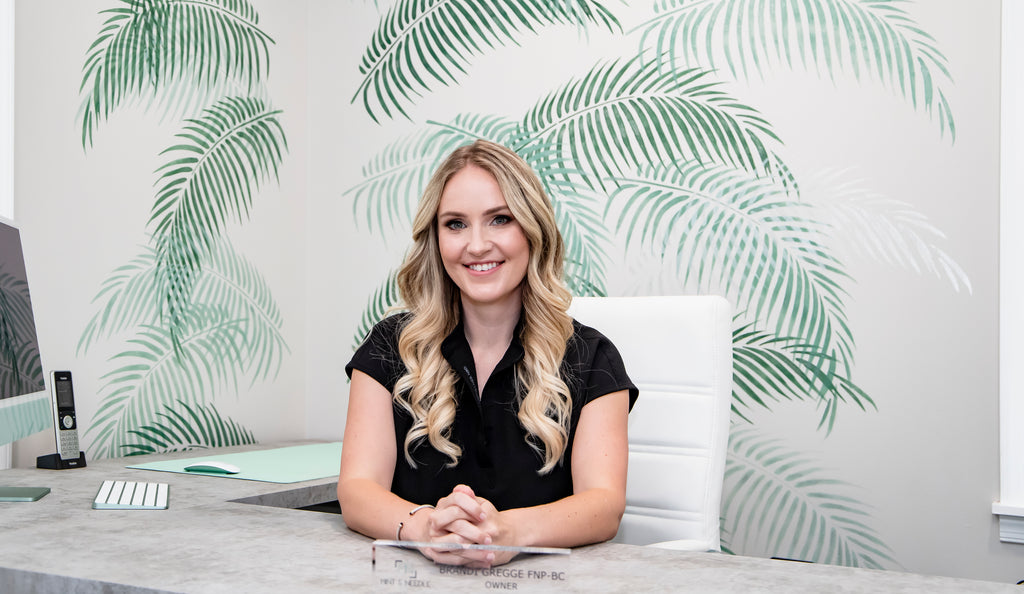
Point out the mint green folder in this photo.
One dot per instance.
(290, 464)
(23, 493)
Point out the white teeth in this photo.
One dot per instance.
(483, 267)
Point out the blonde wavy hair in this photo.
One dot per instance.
(427, 390)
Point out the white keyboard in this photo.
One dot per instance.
(131, 495)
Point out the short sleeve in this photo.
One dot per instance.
(595, 366)
(378, 356)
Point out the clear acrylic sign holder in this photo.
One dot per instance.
(400, 566)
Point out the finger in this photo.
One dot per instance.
(464, 489)
(468, 557)
(468, 532)
(457, 555)
(440, 520)
(469, 504)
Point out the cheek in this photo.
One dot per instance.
(520, 248)
(448, 249)
(521, 245)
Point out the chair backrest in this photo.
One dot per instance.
(678, 352)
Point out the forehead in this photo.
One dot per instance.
(471, 189)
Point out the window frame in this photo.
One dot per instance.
(1010, 507)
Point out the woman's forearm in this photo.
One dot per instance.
(583, 518)
(374, 511)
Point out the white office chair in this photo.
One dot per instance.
(678, 352)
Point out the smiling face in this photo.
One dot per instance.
(483, 248)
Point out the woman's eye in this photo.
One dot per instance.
(455, 225)
(502, 220)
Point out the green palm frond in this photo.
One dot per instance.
(738, 235)
(155, 371)
(872, 38)
(232, 282)
(21, 370)
(889, 231)
(187, 427)
(631, 114)
(384, 298)
(394, 179)
(781, 503)
(766, 366)
(419, 43)
(228, 153)
(129, 298)
(583, 233)
(148, 47)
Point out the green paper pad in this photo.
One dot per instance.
(291, 464)
(23, 493)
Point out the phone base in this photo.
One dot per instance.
(55, 462)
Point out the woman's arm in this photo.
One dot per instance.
(592, 513)
(368, 458)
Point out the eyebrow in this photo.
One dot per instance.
(489, 211)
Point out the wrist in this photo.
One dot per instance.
(513, 531)
(410, 529)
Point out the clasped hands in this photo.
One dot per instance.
(464, 518)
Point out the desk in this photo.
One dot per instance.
(211, 541)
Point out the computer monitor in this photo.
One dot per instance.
(24, 403)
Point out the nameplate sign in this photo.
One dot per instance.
(401, 566)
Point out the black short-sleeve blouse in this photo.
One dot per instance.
(497, 462)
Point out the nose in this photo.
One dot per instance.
(479, 240)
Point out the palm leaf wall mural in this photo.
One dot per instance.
(875, 38)
(655, 152)
(196, 318)
(739, 236)
(796, 508)
(225, 155)
(629, 114)
(195, 366)
(152, 48)
(425, 42)
(885, 230)
(130, 298)
(184, 427)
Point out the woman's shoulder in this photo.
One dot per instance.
(394, 321)
(385, 332)
(581, 331)
(595, 362)
(378, 354)
(587, 341)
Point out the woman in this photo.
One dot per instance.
(485, 414)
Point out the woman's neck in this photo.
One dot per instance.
(489, 332)
(490, 327)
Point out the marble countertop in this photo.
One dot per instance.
(230, 535)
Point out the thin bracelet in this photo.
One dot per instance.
(398, 532)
